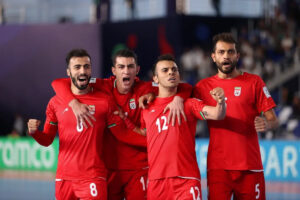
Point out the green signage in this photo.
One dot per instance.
(26, 154)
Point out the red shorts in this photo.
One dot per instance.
(81, 189)
(174, 188)
(245, 185)
(128, 184)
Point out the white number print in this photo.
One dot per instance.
(80, 127)
(193, 191)
(142, 180)
(257, 191)
(93, 188)
(164, 126)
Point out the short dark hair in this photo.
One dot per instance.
(76, 53)
(127, 53)
(225, 37)
(164, 57)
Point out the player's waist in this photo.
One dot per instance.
(253, 168)
(195, 175)
(159, 172)
(78, 179)
(81, 176)
(130, 166)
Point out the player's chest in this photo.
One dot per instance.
(156, 121)
(67, 118)
(129, 104)
(237, 93)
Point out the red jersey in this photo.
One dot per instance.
(80, 149)
(171, 149)
(233, 143)
(118, 155)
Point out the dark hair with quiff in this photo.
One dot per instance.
(76, 53)
(127, 53)
(224, 37)
(164, 57)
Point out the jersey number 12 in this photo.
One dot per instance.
(161, 124)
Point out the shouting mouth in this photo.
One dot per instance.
(226, 64)
(83, 79)
(126, 80)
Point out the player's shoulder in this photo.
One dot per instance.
(205, 81)
(208, 79)
(55, 101)
(138, 83)
(253, 77)
(191, 101)
(101, 95)
(110, 79)
(107, 82)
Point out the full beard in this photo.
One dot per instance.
(227, 70)
(75, 81)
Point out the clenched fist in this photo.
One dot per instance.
(33, 125)
(260, 124)
(218, 94)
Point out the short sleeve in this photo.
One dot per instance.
(264, 101)
(196, 106)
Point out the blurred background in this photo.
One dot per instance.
(35, 36)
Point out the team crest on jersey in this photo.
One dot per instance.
(237, 91)
(132, 104)
(92, 109)
(266, 91)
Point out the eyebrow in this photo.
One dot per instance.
(131, 64)
(170, 67)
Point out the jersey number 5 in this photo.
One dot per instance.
(257, 191)
(158, 123)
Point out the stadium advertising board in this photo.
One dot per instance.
(27, 154)
(280, 159)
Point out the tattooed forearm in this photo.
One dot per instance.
(205, 113)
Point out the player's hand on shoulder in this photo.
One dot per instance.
(218, 94)
(176, 108)
(82, 113)
(145, 100)
(33, 125)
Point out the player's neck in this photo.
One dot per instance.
(121, 90)
(76, 91)
(166, 92)
(233, 74)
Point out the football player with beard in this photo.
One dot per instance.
(81, 173)
(234, 165)
(127, 164)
